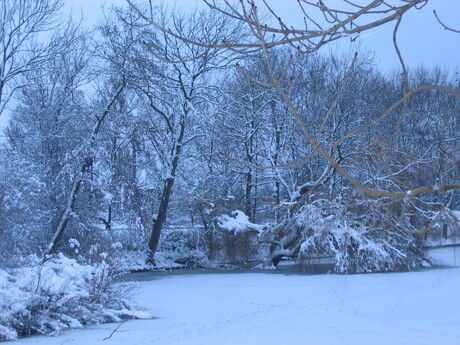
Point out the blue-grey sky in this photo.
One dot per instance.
(421, 39)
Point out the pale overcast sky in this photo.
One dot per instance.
(421, 39)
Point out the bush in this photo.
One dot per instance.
(58, 294)
(357, 246)
(238, 239)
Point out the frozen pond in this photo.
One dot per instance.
(449, 256)
(247, 308)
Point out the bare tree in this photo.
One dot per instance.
(115, 62)
(346, 20)
(24, 25)
(83, 168)
(174, 87)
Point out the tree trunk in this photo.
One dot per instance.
(160, 220)
(247, 206)
(165, 197)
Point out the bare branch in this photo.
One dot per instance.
(342, 27)
(444, 25)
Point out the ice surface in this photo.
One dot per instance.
(449, 256)
(273, 309)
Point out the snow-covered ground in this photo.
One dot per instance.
(272, 308)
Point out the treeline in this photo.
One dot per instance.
(122, 131)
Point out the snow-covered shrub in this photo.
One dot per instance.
(104, 252)
(131, 261)
(226, 240)
(182, 247)
(59, 294)
(237, 222)
(444, 229)
(355, 242)
(237, 238)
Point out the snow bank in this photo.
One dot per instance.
(57, 294)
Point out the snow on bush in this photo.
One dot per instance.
(238, 222)
(59, 294)
(329, 229)
(131, 261)
(236, 240)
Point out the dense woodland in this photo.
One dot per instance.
(127, 137)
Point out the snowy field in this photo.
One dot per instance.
(274, 308)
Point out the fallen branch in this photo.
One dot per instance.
(116, 329)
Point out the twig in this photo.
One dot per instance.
(116, 329)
